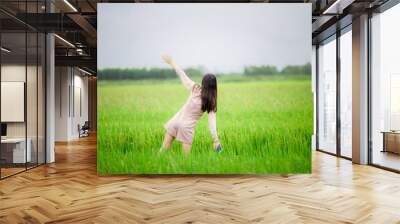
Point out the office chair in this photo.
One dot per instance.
(84, 130)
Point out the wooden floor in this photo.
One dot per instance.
(70, 191)
(387, 159)
(5, 172)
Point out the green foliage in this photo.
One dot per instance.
(272, 70)
(167, 73)
(260, 70)
(193, 72)
(297, 69)
(142, 73)
(264, 122)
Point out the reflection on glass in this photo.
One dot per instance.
(14, 150)
(41, 98)
(346, 94)
(386, 89)
(22, 92)
(31, 100)
(327, 97)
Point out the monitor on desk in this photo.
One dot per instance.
(3, 130)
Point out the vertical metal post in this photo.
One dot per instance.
(37, 89)
(1, 165)
(317, 97)
(338, 74)
(26, 86)
(45, 95)
(369, 89)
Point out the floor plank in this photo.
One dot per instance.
(70, 191)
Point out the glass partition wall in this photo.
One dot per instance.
(346, 92)
(327, 95)
(13, 89)
(334, 104)
(385, 89)
(334, 116)
(22, 107)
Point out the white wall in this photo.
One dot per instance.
(33, 127)
(79, 117)
(82, 82)
(17, 73)
(70, 83)
(62, 82)
(14, 73)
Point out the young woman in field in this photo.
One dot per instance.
(201, 99)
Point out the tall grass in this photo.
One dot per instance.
(265, 126)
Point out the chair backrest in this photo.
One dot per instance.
(86, 125)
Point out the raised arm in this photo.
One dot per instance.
(186, 81)
(212, 125)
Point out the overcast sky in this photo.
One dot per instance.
(220, 37)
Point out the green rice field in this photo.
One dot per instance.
(264, 124)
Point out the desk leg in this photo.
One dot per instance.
(384, 142)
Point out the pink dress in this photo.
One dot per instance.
(182, 125)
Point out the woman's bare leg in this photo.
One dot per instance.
(186, 148)
(167, 142)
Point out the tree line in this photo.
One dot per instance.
(165, 73)
(273, 70)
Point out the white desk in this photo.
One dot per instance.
(18, 149)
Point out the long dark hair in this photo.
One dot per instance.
(209, 93)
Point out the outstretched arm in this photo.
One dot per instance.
(212, 125)
(186, 81)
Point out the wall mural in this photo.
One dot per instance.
(204, 88)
